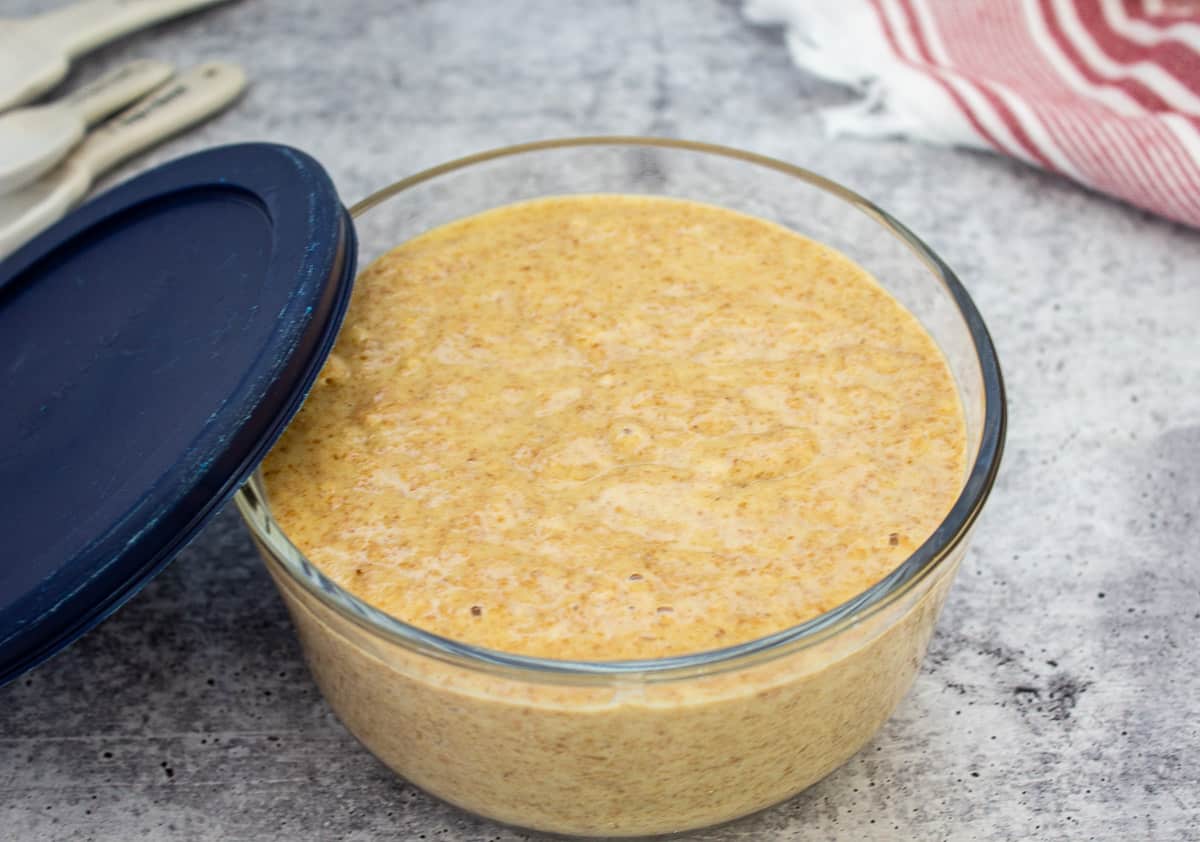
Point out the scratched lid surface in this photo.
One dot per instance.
(153, 346)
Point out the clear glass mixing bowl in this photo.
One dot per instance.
(657, 746)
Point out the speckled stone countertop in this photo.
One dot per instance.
(1060, 699)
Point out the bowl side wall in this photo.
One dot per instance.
(626, 759)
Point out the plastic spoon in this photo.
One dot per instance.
(194, 96)
(34, 139)
(35, 52)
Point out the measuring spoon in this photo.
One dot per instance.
(35, 52)
(34, 139)
(192, 97)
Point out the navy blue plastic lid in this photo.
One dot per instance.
(153, 346)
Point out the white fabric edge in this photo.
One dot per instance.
(843, 41)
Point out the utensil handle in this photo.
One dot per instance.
(86, 25)
(96, 100)
(182, 102)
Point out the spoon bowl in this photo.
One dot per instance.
(34, 139)
(28, 65)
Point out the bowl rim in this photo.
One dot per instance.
(949, 535)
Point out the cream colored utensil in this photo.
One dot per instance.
(35, 52)
(34, 139)
(194, 96)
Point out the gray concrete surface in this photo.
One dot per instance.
(1060, 699)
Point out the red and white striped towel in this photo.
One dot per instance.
(1106, 92)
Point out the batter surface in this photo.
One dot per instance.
(610, 427)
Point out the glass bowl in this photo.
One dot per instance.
(631, 748)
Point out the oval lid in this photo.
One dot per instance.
(153, 346)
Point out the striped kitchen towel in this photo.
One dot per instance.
(1106, 92)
